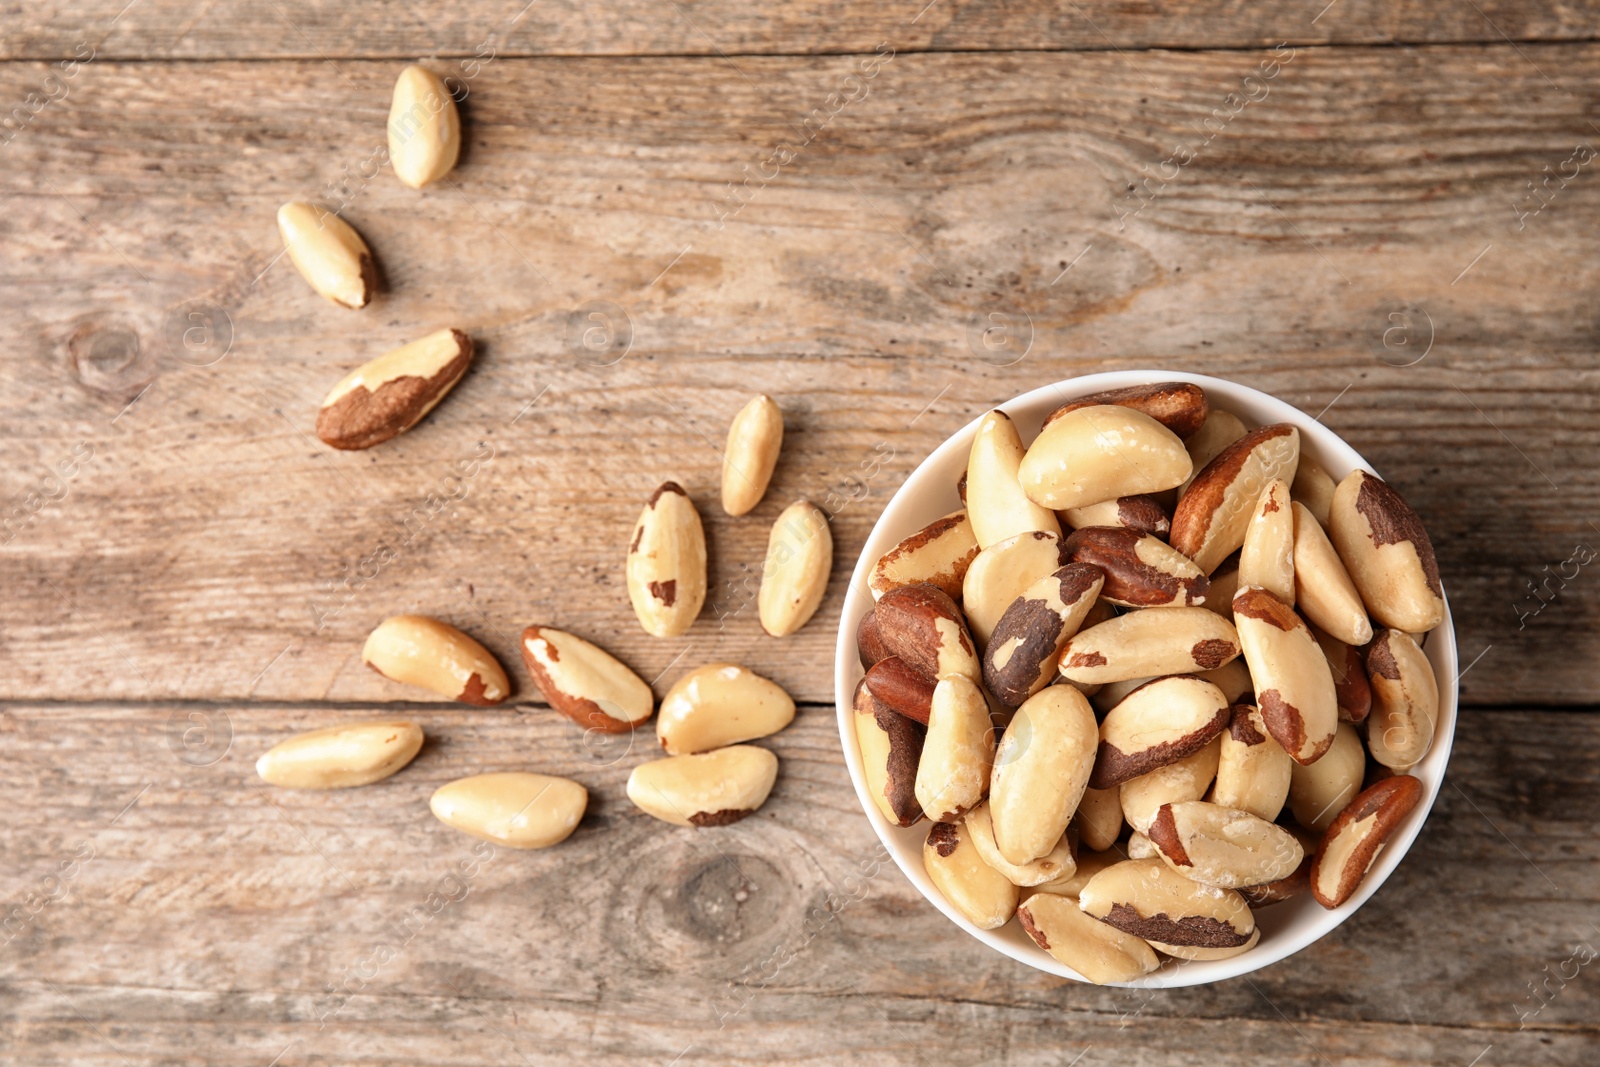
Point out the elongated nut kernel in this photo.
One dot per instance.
(1100, 453)
(417, 650)
(1223, 847)
(1318, 792)
(1187, 779)
(1025, 648)
(996, 505)
(869, 641)
(1040, 771)
(1313, 487)
(795, 576)
(424, 128)
(1055, 865)
(1179, 406)
(1388, 554)
(666, 569)
(584, 682)
(891, 745)
(1142, 571)
(339, 757)
(1143, 513)
(1354, 839)
(1221, 429)
(1224, 584)
(710, 789)
(953, 774)
(517, 809)
(1148, 899)
(1324, 592)
(720, 704)
(1163, 722)
(1405, 701)
(391, 394)
(1099, 818)
(902, 687)
(923, 627)
(1253, 770)
(1349, 677)
(1145, 644)
(1267, 558)
(938, 554)
(1097, 951)
(1294, 687)
(328, 253)
(1211, 518)
(1002, 572)
(755, 437)
(984, 897)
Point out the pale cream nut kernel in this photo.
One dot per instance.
(666, 568)
(710, 789)
(1223, 847)
(996, 505)
(584, 682)
(1267, 558)
(755, 438)
(1405, 701)
(1253, 771)
(1221, 429)
(339, 757)
(1100, 453)
(1187, 779)
(720, 704)
(1146, 644)
(1040, 771)
(953, 774)
(1097, 951)
(420, 651)
(517, 809)
(795, 576)
(1319, 791)
(328, 253)
(1054, 866)
(1325, 594)
(424, 128)
(985, 898)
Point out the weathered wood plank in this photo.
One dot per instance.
(211, 920)
(308, 30)
(205, 546)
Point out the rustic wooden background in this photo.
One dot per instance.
(1396, 232)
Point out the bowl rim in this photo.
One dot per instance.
(1306, 926)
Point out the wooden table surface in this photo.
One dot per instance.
(1384, 213)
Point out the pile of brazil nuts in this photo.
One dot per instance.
(709, 775)
(1203, 661)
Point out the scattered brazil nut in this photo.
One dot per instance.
(902, 687)
(328, 253)
(1100, 453)
(339, 757)
(1149, 899)
(1143, 513)
(1324, 592)
(1002, 572)
(891, 746)
(386, 397)
(1223, 847)
(517, 809)
(996, 505)
(424, 128)
(666, 569)
(1319, 791)
(1186, 779)
(953, 774)
(1267, 557)
(1387, 552)
(720, 704)
(794, 578)
(985, 898)
(1097, 951)
(1145, 644)
(1025, 648)
(1142, 571)
(1253, 770)
(420, 651)
(584, 682)
(1179, 406)
(1159, 723)
(755, 437)
(1405, 700)
(1294, 687)
(1356, 836)
(1210, 521)
(923, 627)
(1040, 770)
(1053, 866)
(938, 554)
(708, 789)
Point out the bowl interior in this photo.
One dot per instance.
(930, 492)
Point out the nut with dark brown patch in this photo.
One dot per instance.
(902, 687)
(1325, 594)
(1294, 687)
(1405, 700)
(710, 789)
(1141, 570)
(1023, 652)
(1223, 847)
(1211, 518)
(1002, 572)
(1349, 677)
(996, 503)
(328, 253)
(938, 554)
(1353, 841)
(1100, 453)
(1147, 644)
(666, 568)
(421, 651)
(891, 745)
(1253, 770)
(1040, 771)
(1149, 899)
(869, 640)
(923, 627)
(1179, 406)
(391, 394)
(982, 895)
(953, 774)
(1159, 723)
(1098, 952)
(584, 682)
(1143, 513)
(1388, 554)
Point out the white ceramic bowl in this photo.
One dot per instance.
(930, 492)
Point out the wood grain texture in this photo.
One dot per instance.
(304, 29)
(213, 920)
(176, 532)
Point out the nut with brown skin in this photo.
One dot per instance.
(328, 253)
(421, 651)
(1223, 847)
(339, 757)
(1318, 792)
(1054, 866)
(720, 704)
(923, 627)
(1023, 651)
(1141, 570)
(1353, 841)
(1100, 453)
(424, 128)
(1253, 770)
(938, 554)
(1267, 558)
(584, 682)
(995, 502)
(1098, 952)
(709, 789)
(1349, 671)
(1147, 644)
(1324, 591)
(666, 568)
(1405, 701)
(869, 641)
(891, 746)
(902, 687)
(1221, 429)
(1196, 952)
(1143, 513)
(984, 897)
(1294, 686)
(1179, 406)
(1149, 899)
(1162, 722)
(1002, 572)
(1387, 552)
(1211, 518)
(1040, 771)
(391, 394)
(953, 774)
(1186, 779)
(517, 809)
(755, 438)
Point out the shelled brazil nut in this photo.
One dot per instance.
(425, 652)
(666, 568)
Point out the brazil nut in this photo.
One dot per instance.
(1025, 649)
(1179, 406)
(1319, 791)
(1221, 846)
(584, 682)
(938, 554)
(1146, 644)
(1294, 687)
(1324, 592)
(517, 809)
(666, 568)
(996, 504)
(1210, 520)
(1187, 779)
(1055, 865)
(425, 652)
(1267, 557)
(720, 704)
(1361, 830)
(1100, 453)
(891, 746)
(339, 757)
(923, 627)
(1099, 952)
(1405, 701)
(1040, 771)
(1149, 899)
(1141, 570)
(953, 774)
(708, 789)
(1159, 723)
(1253, 770)
(1002, 572)
(391, 394)
(984, 897)
(1387, 553)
